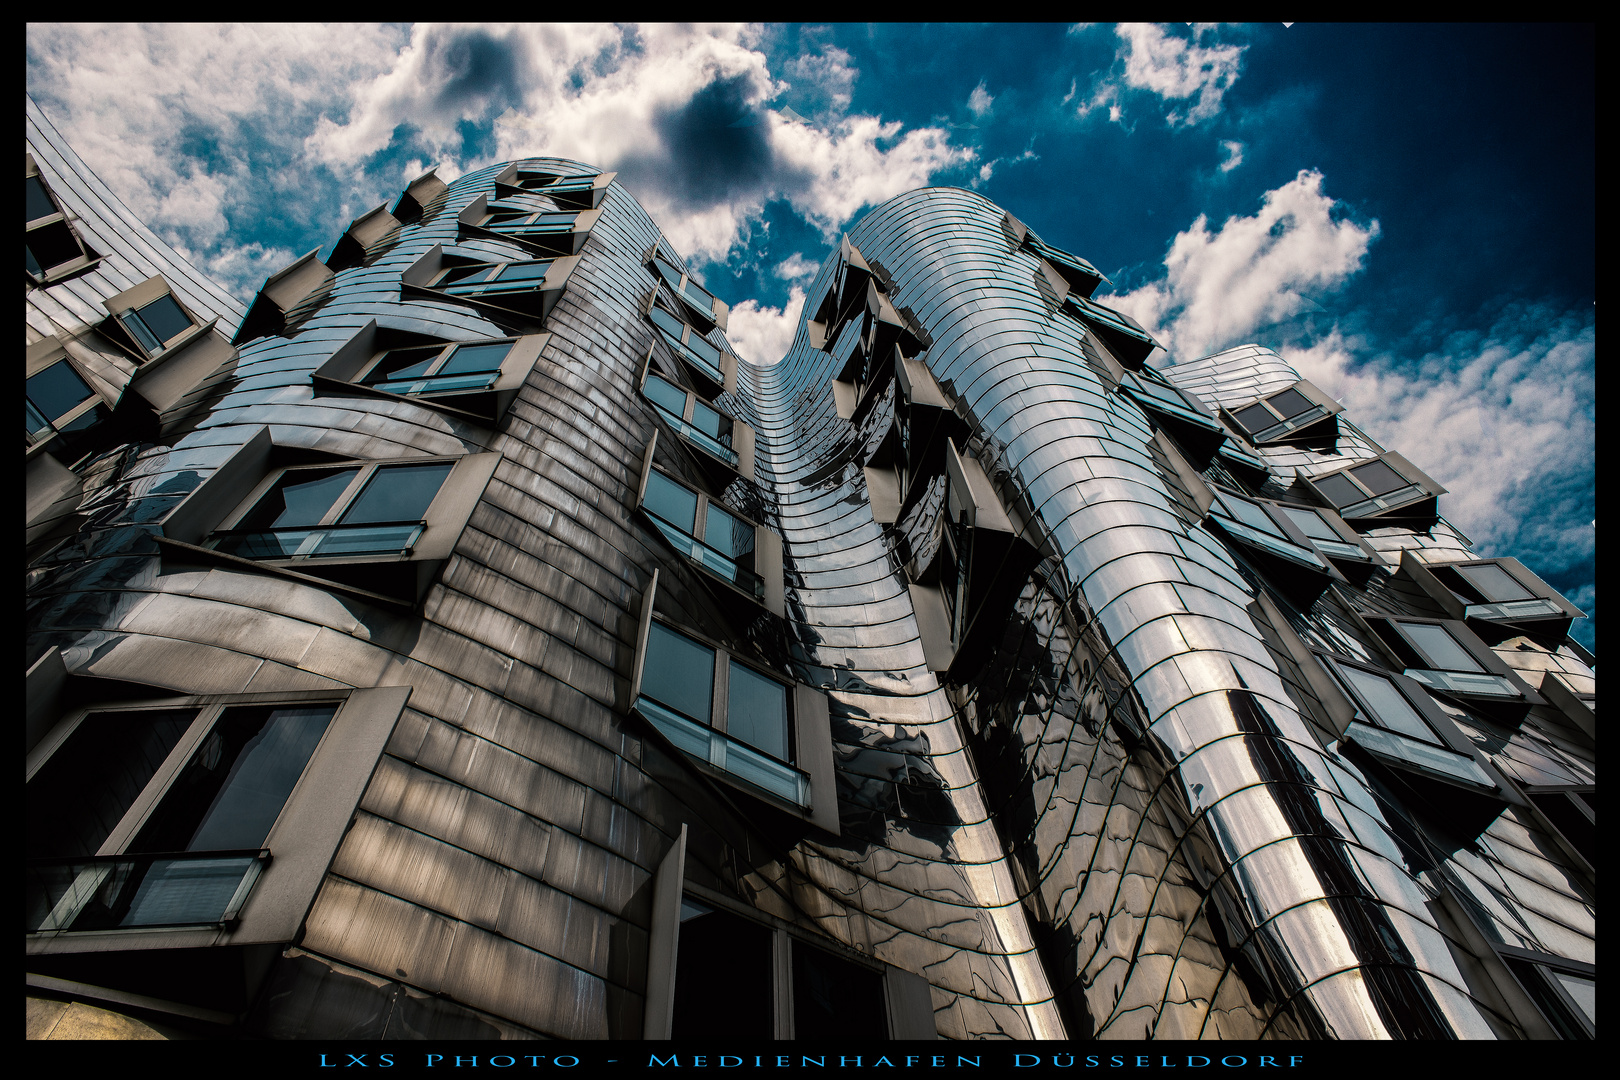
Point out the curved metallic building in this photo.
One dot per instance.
(479, 650)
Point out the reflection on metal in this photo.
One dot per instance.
(1127, 818)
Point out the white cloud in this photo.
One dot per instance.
(796, 268)
(1176, 69)
(979, 101)
(1234, 155)
(1221, 287)
(762, 335)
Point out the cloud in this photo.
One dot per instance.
(1234, 155)
(1221, 287)
(979, 101)
(823, 82)
(1176, 69)
(762, 335)
(796, 268)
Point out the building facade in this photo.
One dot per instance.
(461, 642)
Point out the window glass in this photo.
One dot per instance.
(1252, 515)
(1580, 990)
(723, 986)
(1496, 584)
(232, 790)
(834, 998)
(1379, 478)
(667, 322)
(727, 534)
(80, 795)
(672, 398)
(469, 358)
(57, 390)
(300, 497)
(398, 493)
(164, 318)
(1390, 706)
(756, 712)
(523, 271)
(51, 245)
(705, 351)
(1442, 650)
(464, 274)
(1254, 418)
(39, 200)
(704, 298)
(711, 422)
(679, 672)
(404, 363)
(1311, 524)
(668, 271)
(1340, 491)
(672, 502)
(1291, 403)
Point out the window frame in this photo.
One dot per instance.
(515, 309)
(42, 356)
(478, 219)
(60, 271)
(809, 728)
(742, 433)
(1284, 429)
(1248, 534)
(1545, 964)
(1419, 488)
(1509, 688)
(128, 305)
(694, 363)
(1433, 577)
(578, 191)
(660, 255)
(300, 842)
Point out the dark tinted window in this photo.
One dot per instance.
(405, 363)
(56, 390)
(51, 245)
(679, 673)
(39, 200)
(1379, 478)
(476, 358)
(834, 998)
(1494, 583)
(723, 985)
(164, 318)
(302, 497)
(398, 493)
(1291, 403)
(756, 712)
(1254, 418)
(1340, 491)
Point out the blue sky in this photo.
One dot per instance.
(1407, 213)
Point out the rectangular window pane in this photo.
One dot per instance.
(1251, 515)
(1389, 707)
(533, 271)
(1340, 492)
(834, 998)
(300, 497)
(679, 673)
(756, 712)
(727, 534)
(85, 789)
(672, 502)
(662, 393)
(715, 424)
(53, 244)
(722, 977)
(57, 390)
(1255, 418)
(667, 322)
(405, 363)
(1496, 584)
(397, 493)
(470, 358)
(39, 200)
(1311, 524)
(164, 318)
(1581, 991)
(1440, 648)
(1291, 403)
(232, 790)
(1379, 478)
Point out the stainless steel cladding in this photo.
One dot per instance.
(955, 660)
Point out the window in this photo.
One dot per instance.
(1122, 335)
(704, 357)
(527, 289)
(738, 722)
(61, 405)
(1263, 526)
(1285, 414)
(1328, 533)
(703, 303)
(571, 192)
(1372, 488)
(53, 249)
(438, 369)
(1573, 812)
(1396, 721)
(183, 813)
(364, 232)
(152, 317)
(1152, 391)
(1564, 990)
(491, 279)
(719, 436)
(1446, 656)
(318, 512)
(292, 292)
(743, 555)
(1496, 590)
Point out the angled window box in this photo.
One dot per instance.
(542, 230)
(476, 380)
(1123, 336)
(925, 421)
(569, 192)
(54, 249)
(381, 529)
(421, 195)
(366, 232)
(288, 295)
(152, 319)
(1564, 990)
(1299, 413)
(740, 724)
(1398, 722)
(844, 299)
(743, 557)
(1077, 274)
(1445, 655)
(711, 366)
(853, 397)
(518, 295)
(1386, 486)
(1571, 811)
(67, 416)
(178, 822)
(1284, 552)
(710, 310)
(1193, 425)
(1496, 592)
(726, 444)
(1328, 533)
(886, 328)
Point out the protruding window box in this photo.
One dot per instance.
(1386, 486)
(1494, 591)
(571, 192)
(742, 557)
(412, 205)
(925, 422)
(379, 529)
(543, 231)
(1287, 554)
(518, 295)
(475, 380)
(288, 295)
(54, 250)
(1445, 655)
(1077, 274)
(67, 415)
(853, 396)
(1193, 425)
(152, 320)
(1328, 533)
(364, 233)
(1299, 413)
(725, 444)
(713, 367)
(1122, 334)
(845, 297)
(740, 724)
(886, 327)
(709, 309)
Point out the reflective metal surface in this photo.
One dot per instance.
(1126, 823)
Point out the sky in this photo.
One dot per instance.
(1404, 212)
